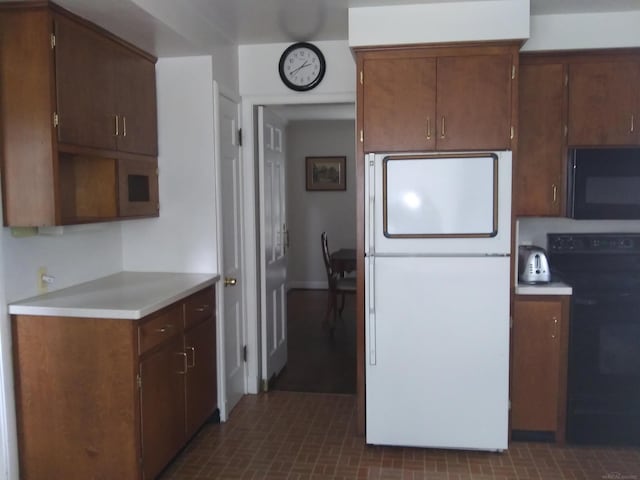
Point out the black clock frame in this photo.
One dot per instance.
(316, 81)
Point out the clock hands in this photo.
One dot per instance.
(295, 70)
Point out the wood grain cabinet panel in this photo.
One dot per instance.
(539, 364)
(539, 182)
(604, 103)
(474, 102)
(399, 104)
(117, 398)
(71, 92)
(437, 98)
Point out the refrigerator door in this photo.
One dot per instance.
(439, 204)
(437, 352)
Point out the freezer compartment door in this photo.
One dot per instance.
(439, 376)
(456, 203)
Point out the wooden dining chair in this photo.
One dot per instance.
(338, 285)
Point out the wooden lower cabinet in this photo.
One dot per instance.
(110, 398)
(539, 364)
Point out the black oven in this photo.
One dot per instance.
(603, 397)
(604, 183)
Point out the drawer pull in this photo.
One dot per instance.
(193, 357)
(202, 308)
(164, 329)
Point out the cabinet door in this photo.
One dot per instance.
(539, 188)
(84, 86)
(162, 405)
(202, 394)
(536, 365)
(603, 103)
(399, 104)
(136, 103)
(474, 102)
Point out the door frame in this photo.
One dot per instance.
(251, 223)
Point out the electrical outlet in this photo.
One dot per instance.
(43, 286)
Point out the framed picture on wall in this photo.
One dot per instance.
(326, 173)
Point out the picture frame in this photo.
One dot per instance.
(326, 173)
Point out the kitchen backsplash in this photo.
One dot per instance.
(533, 230)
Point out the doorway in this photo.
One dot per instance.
(317, 362)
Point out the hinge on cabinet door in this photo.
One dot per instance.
(509, 404)
(566, 79)
(566, 130)
(361, 136)
(512, 133)
(244, 353)
(510, 322)
(361, 78)
(139, 380)
(53, 41)
(240, 137)
(513, 72)
(56, 119)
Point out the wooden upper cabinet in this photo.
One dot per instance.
(136, 103)
(106, 93)
(85, 86)
(539, 181)
(436, 98)
(474, 102)
(604, 103)
(399, 104)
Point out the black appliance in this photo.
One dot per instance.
(603, 183)
(603, 397)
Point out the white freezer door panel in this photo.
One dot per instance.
(437, 347)
(440, 199)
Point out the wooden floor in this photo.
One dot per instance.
(317, 362)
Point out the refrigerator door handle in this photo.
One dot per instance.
(372, 312)
(369, 231)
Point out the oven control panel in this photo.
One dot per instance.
(593, 243)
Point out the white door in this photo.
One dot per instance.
(231, 208)
(274, 240)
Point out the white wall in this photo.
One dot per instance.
(439, 22)
(311, 213)
(259, 71)
(184, 237)
(581, 31)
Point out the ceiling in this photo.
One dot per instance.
(172, 28)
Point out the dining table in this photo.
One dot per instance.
(343, 261)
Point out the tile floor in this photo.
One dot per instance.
(287, 435)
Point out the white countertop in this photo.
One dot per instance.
(124, 295)
(553, 288)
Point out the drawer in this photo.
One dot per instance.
(160, 327)
(199, 306)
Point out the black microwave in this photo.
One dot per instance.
(603, 183)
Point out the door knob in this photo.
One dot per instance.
(230, 282)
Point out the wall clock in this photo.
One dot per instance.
(302, 66)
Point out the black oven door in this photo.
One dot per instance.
(604, 183)
(604, 369)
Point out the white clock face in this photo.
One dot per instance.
(302, 68)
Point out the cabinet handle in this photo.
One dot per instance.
(184, 359)
(632, 123)
(555, 327)
(164, 329)
(202, 308)
(117, 132)
(443, 131)
(124, 126)
(554, 189)
(193, 357)
(428, 128)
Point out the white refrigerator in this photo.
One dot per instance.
(437, 245)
